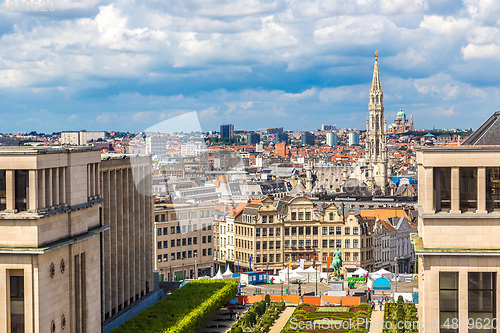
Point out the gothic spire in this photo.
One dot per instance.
(376, 86)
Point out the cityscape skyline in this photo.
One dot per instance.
(268, 63)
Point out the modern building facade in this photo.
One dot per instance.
(226, 131)
(331, 139)
(353, 138)
(253, 138)
(459, 233)
(50, 257)
(308, 139)
(183, 240)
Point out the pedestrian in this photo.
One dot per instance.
(373, 305)
(231, 314)
(380, 303)
(237, 316)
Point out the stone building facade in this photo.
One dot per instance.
(50, 201)
(270, 232)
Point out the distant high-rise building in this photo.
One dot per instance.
(77, 138)
(275, 130)
(354, 138)
(308, 139)
(331, 139)
(281, 149)
(156, 144)
(280, 137)
(253, 138)
(226, 131)
(326, 127)
(376, 140)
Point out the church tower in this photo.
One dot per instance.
(376, 140)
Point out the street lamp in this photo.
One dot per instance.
(396, 271)
(183, 273)
(195, 255)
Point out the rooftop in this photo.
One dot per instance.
(28, 150)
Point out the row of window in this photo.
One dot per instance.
(300, 216)
(184, 242)
(161, 217)
(184, 255)
(296, 231)
(182, 229)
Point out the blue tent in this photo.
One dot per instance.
(381, 284)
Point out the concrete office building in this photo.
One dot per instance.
(183, 238)
(331, 139)
(127, 247)
(280, 137)
(253, 138)
(81, 137)
(49, 246)
(459, 233)
(308, 139)
(226, 131)
(353, 138)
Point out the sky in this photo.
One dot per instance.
(128, 65)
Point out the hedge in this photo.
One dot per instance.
(185, 310)
(260, 317)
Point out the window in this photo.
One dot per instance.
(264, 219)
(209, 251)
(331, 216)
(264, 231)
(278, 258)
(347, 243)
(204, 252)
(178, 255)
(209, 239)
(278, 245)
(301, 243)
(163, 217)
(332, 242)
(308, 216)
(257, 245)
(271, 245)
(308, 230)
(158, 232)
(338, 243)
(3, 192)
(179, 242)
(278, 231)
(315, 230)
(184, 242)
(271, 219)
(172, 230)
(315, 243)
(204, 227)
(442, 189)
(347, 256)
(331, 231)
(324, 230)
(355, 243)
(301, 216)
(308, 243)
(195, 240)
(287, 244)
(195, 227)
(468, 189)
(172, 256)
(287, 231)
(294, 243)
(157, 218)
(294, 231)
(294, 216)
(190, 255)
(165, 244)
(178, 229)
(189, 228)
(482, 300)
(355, 230)
(190, 241)
(165, 257)
(301, 231)
(448, 301)
(257, 232)
(492, 189)
(347, 231)
(159, 258)
(21, 189)
(264, 245)
(271, 231)
(172, 243)
(16, 297)
(159, 245)
(338, 230)
(183, 254)
(271, 258)
(325, 243)
(204, 239)
(209, 226)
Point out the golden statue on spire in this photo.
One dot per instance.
(376, 55)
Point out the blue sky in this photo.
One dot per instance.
(127, 65)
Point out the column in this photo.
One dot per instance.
(56, 199)
(120, 236)
(455, 191)
(97, 180)
(48, 188)
(481, 190)
(429, 190)
(32, 191)
(126, 232)
(62, 187)
(41, 188)
(11, 191)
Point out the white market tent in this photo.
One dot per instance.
(383, 273)
(297, 276)
(218, 276)
(227, 274)
(360, 272)
(312, 274)
(284, 274)
(302, 272)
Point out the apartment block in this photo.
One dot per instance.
(183, 240)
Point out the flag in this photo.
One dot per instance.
(328, 262)
(267, 267)
(289, 264)
(314, 263)
(238, 265)
(250, 263)
(302, 263)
